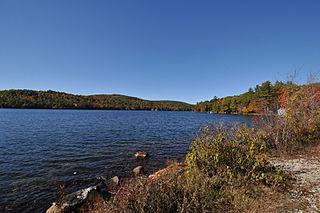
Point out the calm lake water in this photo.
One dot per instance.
(40, 149)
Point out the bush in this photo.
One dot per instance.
(225, 170)
(176, 191)
(236, 156)
(299, 126)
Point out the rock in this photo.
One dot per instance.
(141, 155)
(176, 167)
(55, 208)
(151, 177)
(138, 170)
(84, 195)
(115, 180)
(74, 201)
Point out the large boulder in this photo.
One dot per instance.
(76, 200)
(84, 195)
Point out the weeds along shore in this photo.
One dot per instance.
(227, 169)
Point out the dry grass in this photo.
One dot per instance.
(227, 170)
(233, 181)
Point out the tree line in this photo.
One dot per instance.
(59, 100)
(266, 97)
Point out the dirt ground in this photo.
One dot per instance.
(305, 193)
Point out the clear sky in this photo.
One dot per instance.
(156, 49)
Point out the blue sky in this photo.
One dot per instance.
(162, 49)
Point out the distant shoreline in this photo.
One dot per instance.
(99, 109)
(31, 99)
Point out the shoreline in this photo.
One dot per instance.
(102, 109)
(80, 200)
(303, 196)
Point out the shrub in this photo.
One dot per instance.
(175, 191)
(224, 171)
(299, 126)
(236, 156)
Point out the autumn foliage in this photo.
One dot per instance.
(31, 99)
(299, 124)
(258, 100)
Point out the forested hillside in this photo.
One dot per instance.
(264, 97)
(59, 100)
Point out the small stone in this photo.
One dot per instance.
(141, 155)
(151, 176)
(55, 208)
(138, 170)
(115, 180)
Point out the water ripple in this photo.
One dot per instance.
(40, 149)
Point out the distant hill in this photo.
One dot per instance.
(31, 99)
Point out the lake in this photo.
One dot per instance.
(42, 149)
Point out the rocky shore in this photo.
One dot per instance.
(84, 199)
(303, 196)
